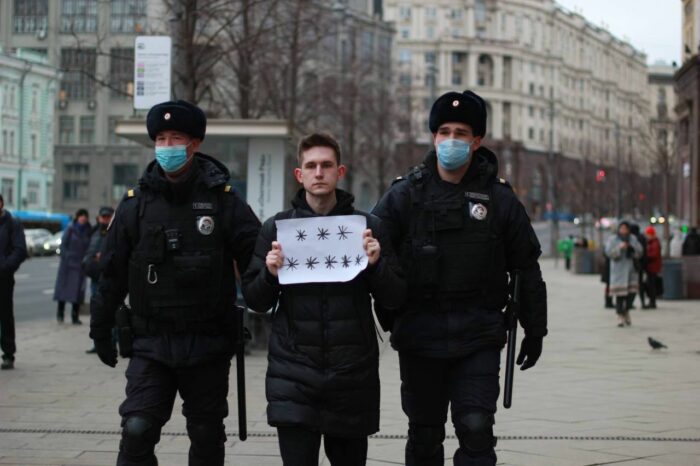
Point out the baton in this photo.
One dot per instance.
(512, 316)
(240, 373)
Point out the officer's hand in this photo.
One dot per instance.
(106, 351)
(531, 347)
(274, 259)
(372, 247)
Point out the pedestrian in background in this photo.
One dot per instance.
(639, 265)
(13, 251)
(566, 247)
(653, 266)
(623, 248)
(91, 262)
(691, 243)
(70, 280)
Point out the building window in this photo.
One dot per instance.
(405, 79)
(12, 143)
(507, 72)
(430, 12)
(8, 191)
(32, 139)
(405, 33)
(404, 56)
(531, 111)
(4, 141)
(430, 58)
(456, 78)
(456, 13)
(78, 66)
(128, 16)
(405, 12)
(66, 129)
(531, 133)
(430, 32)
(75, 184)
(480, 11)
(121, 71)
(124, 177)
(78, 16)
(30, 16)
(367, 50)
(32, 192)
(87, 129)
(484, 71)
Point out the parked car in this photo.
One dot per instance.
(53, 245)
(35, 238)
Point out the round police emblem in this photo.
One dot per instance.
(479, 211)
(455, 103)
(205, 225)
(166, 116)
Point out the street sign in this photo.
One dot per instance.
(152, 62)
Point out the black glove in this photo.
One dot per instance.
(532, 348)
(106, 351)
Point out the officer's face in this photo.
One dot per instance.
(178, 138)
(319, 171)
(454, 130)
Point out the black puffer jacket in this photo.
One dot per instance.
(433, 328)
(323, 355)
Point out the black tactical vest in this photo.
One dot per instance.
(455, 250)
(178, 277)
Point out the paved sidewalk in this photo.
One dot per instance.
(599, 395)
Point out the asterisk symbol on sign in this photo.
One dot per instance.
(311, 263)
(322, 233)
(346, 261)
(343, 232)
(292, 263)
(301, 235)
(358, 259)
(330, 260)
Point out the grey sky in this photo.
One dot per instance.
(653, 26)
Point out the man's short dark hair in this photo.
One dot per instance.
(318, 140)
(2, 200)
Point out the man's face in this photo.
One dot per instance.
(82, 219)
(104, 219)
(178, 138)
(319, 171)
(623, 230)
(454, 130)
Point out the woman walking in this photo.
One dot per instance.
(70, 281)
(622, 248)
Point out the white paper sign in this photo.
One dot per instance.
(321, 249)
(151, 70)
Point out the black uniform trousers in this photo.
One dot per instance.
(470, 384)
(150, 394)
(300, 447)
(7, 317)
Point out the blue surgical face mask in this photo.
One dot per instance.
(453, 153)
(171, 158)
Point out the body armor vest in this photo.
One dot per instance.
(177, 277)
(455, 250)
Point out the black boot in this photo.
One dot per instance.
(59, 312)
(74, 315)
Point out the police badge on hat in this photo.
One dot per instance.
(205, 225)
(477, 211)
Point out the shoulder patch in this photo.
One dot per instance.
(397, 179)
(504, 182)
(130, 193)
(228, 188)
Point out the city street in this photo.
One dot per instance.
(599, 394)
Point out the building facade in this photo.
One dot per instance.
(28, 89)
(91, 42)
(687, 86)
(565, 97)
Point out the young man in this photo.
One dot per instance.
(322, 378)
(172, 247)
(13, 251)
(461, 233)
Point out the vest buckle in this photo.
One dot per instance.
(152, 275)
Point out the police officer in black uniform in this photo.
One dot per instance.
(171, 247)
(460, 232)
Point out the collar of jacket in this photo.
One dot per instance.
(343, 206)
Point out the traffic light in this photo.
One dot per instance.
(600, 176)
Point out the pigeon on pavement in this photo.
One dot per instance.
(656, 344)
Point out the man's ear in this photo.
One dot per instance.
(341, 171)
(297, 175)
